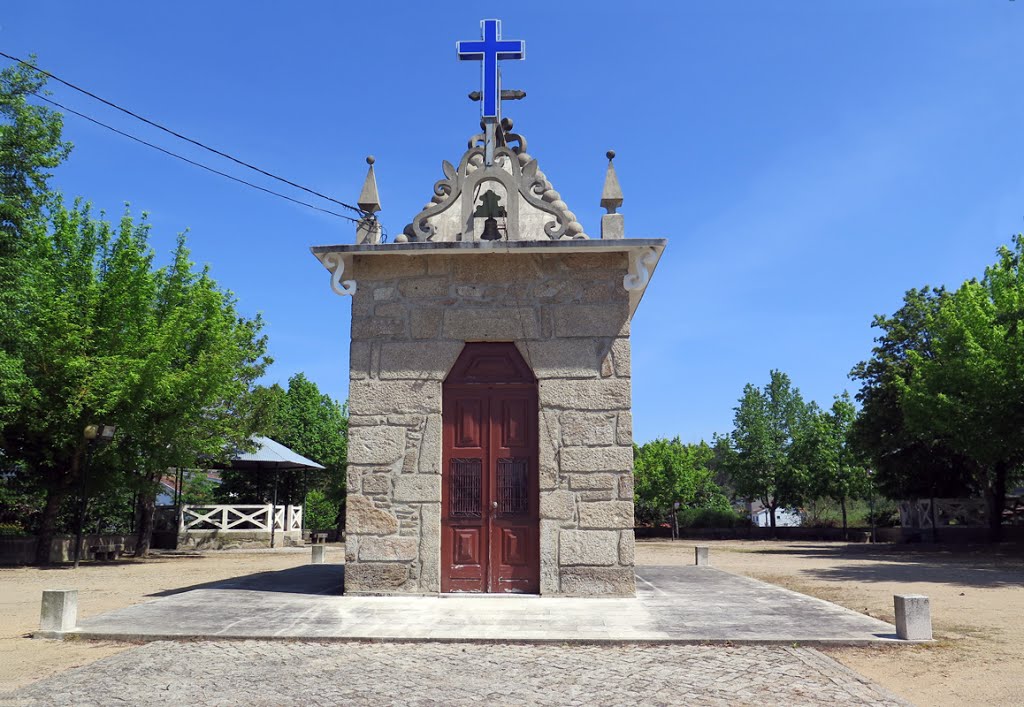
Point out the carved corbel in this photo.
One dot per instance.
(640, 269)
(336, 264)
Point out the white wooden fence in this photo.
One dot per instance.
(228, 519)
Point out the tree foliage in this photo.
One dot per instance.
(761, 454)
(908, 461)
(970, 392)
(93, 332)
(308, 422)
(668, 472)
(833, 466)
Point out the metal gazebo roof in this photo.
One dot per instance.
(270, 455)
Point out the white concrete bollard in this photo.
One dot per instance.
(59, 610)
(319, 554)
(913, 617)
(702, 556)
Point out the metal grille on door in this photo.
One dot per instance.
(465, 488)
(513, 486)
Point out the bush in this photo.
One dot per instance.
(320, 514)
(710, 518)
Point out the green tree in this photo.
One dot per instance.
(969, 392)
(667, 472)
(307, 421)
(762, 461)
(834, 467)
(908, 462)
(30, 148)
(91, 333)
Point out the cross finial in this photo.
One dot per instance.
(488, 50)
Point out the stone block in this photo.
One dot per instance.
(388, 549)
(588, 547)
(590, 320)
(557, 505)
(393, 310)
(377, 327)
(613, 227)
(591, 459)
(490, 323)
(622, 355)
(363, 577)
(430, 548)
(374, 268)
(913, 617)
(606, 514)
(490, 269)
(381, 444)
(375, 397)
(549, 569)
(362, 517)
(359, 360)
(319, 554)
(376, 484)
(576, 262)
(627, 548)
(588, 429)
(624, 429)
(562, 358)
(626, 487)
(425, 322)
(588, 394)
(586, 482)
(59, 610)
(702, 556)
(418, 488)
(422, 287)
(430, 446)
(598, 581)
(420, 360)
(383, 294)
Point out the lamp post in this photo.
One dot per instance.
(871, 502)
(93, 434)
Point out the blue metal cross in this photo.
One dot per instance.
(490, 49)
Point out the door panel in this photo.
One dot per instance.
(490, 521)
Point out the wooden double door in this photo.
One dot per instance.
(490, 498)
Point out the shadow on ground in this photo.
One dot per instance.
(326, 579)
(971, 566)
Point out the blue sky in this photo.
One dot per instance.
(808, 161)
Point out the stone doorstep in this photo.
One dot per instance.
(640, 638)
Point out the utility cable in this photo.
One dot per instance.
(182, 137)
(193, 162)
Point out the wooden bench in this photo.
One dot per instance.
(106, 552)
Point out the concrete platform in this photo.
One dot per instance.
(673, 605)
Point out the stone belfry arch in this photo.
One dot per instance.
(495, 262)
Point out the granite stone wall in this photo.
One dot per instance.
(569, 316)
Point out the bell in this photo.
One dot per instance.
(491, 230)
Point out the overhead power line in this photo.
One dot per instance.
(192, 162)
(182, 137)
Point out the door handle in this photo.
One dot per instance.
(494, 504)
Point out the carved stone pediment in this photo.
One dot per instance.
(533, 210)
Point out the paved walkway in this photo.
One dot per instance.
(674, 605)
(256, 673)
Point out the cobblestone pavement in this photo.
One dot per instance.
(286, 673)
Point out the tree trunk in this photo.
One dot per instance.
(771, 512)
(997, 501)
(55, 496)
(147, 506)
(842, 504)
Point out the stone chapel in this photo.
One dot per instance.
(490, 430)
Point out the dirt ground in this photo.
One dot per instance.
(977, 604)
(977, 598)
